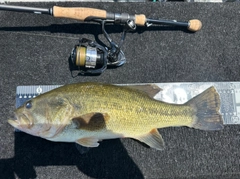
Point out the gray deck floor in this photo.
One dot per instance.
(34, 50)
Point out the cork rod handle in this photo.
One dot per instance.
(79, 13)
(140, 19)
(194, 25)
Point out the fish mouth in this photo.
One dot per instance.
(13, 122)
(21, 121)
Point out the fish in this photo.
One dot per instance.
(87, 113)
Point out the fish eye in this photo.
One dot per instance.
(28, 105)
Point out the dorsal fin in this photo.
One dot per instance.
(150, 89)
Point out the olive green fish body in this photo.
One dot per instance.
(86, 113)
(129, 110)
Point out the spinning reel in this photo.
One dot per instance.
(92, 58)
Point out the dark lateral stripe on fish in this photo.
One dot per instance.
(91, 121)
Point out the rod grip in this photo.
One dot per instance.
(140, 19)
(79, 13)
(194, 25)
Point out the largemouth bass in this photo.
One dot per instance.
(87, 113)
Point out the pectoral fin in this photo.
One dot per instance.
(88, 142)
(153, 139)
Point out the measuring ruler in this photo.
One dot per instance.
(171, 92)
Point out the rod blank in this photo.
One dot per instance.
(26, 9)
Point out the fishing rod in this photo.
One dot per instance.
(89, 56)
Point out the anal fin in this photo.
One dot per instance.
(153, 139)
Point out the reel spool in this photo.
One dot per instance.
(89, 57)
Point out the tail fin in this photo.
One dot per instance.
(207, 105)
